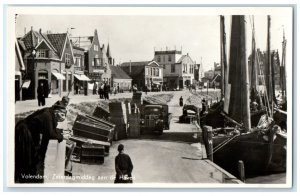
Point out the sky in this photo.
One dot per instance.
(135, 37)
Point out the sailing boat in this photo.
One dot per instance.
(262, 148)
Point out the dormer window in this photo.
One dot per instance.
(43, 53)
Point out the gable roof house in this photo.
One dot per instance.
(48, 59)
(120, 79)
(95, 61)
(144, 74)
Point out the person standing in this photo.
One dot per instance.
(95, 89)
(123, 166)
(41, 95)
(181, 101)
(32, 136)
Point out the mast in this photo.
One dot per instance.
(269, 68)
(253, 72)
(224, 73)
(239, 106)
(283, 61)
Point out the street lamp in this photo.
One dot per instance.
(33, 54)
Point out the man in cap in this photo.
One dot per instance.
(64, 101)
(32, 136)
(123, 166)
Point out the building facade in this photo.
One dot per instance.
(96, 60)
(178, 69)
(121, 81)
(48, 59)
(146, 75)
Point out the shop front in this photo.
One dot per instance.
(81, 83)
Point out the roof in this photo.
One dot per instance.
(31, 39)
(183, 57)
(134, 68)
(118, 72)
(108, 54)
(55, 42)
(19, 64)
(58, 41)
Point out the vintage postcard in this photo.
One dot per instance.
(154, 97)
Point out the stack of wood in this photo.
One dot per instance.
(118, 116)
(102, 111)
(92, 153)
(134, 125)
(90, 133)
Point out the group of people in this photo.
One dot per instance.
(103, 91)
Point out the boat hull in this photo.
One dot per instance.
(260, 155)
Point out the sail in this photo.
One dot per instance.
(239, 104)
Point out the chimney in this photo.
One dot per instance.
(31, 28)
(130, 67)
(40, 31)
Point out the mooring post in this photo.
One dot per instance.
(210, 143)
(241, 171)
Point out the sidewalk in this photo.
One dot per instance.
(30, 105)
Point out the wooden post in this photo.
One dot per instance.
(241, 170)
(210, 147)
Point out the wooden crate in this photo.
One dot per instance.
(92, 153)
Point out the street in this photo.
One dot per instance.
(176, 156)
(173, 157)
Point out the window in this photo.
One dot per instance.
(158, 58)
(164, 66)
(68, 59)
(146, 71)
(173, 68)
(169, 58)
(96, 47)
(184, 68)
(43, 53)
(96, 61)
(78, 61)
(163, 58)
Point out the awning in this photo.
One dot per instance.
(82, 77)
(17, 73)
(98, 71)
(157, 83)
(26, 84)
(59, 76)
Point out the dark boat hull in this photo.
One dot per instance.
(259, 155)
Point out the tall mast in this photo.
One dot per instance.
(283, 76)
(269, 67)
(253, 72)
(239, 106)
(223, 55)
